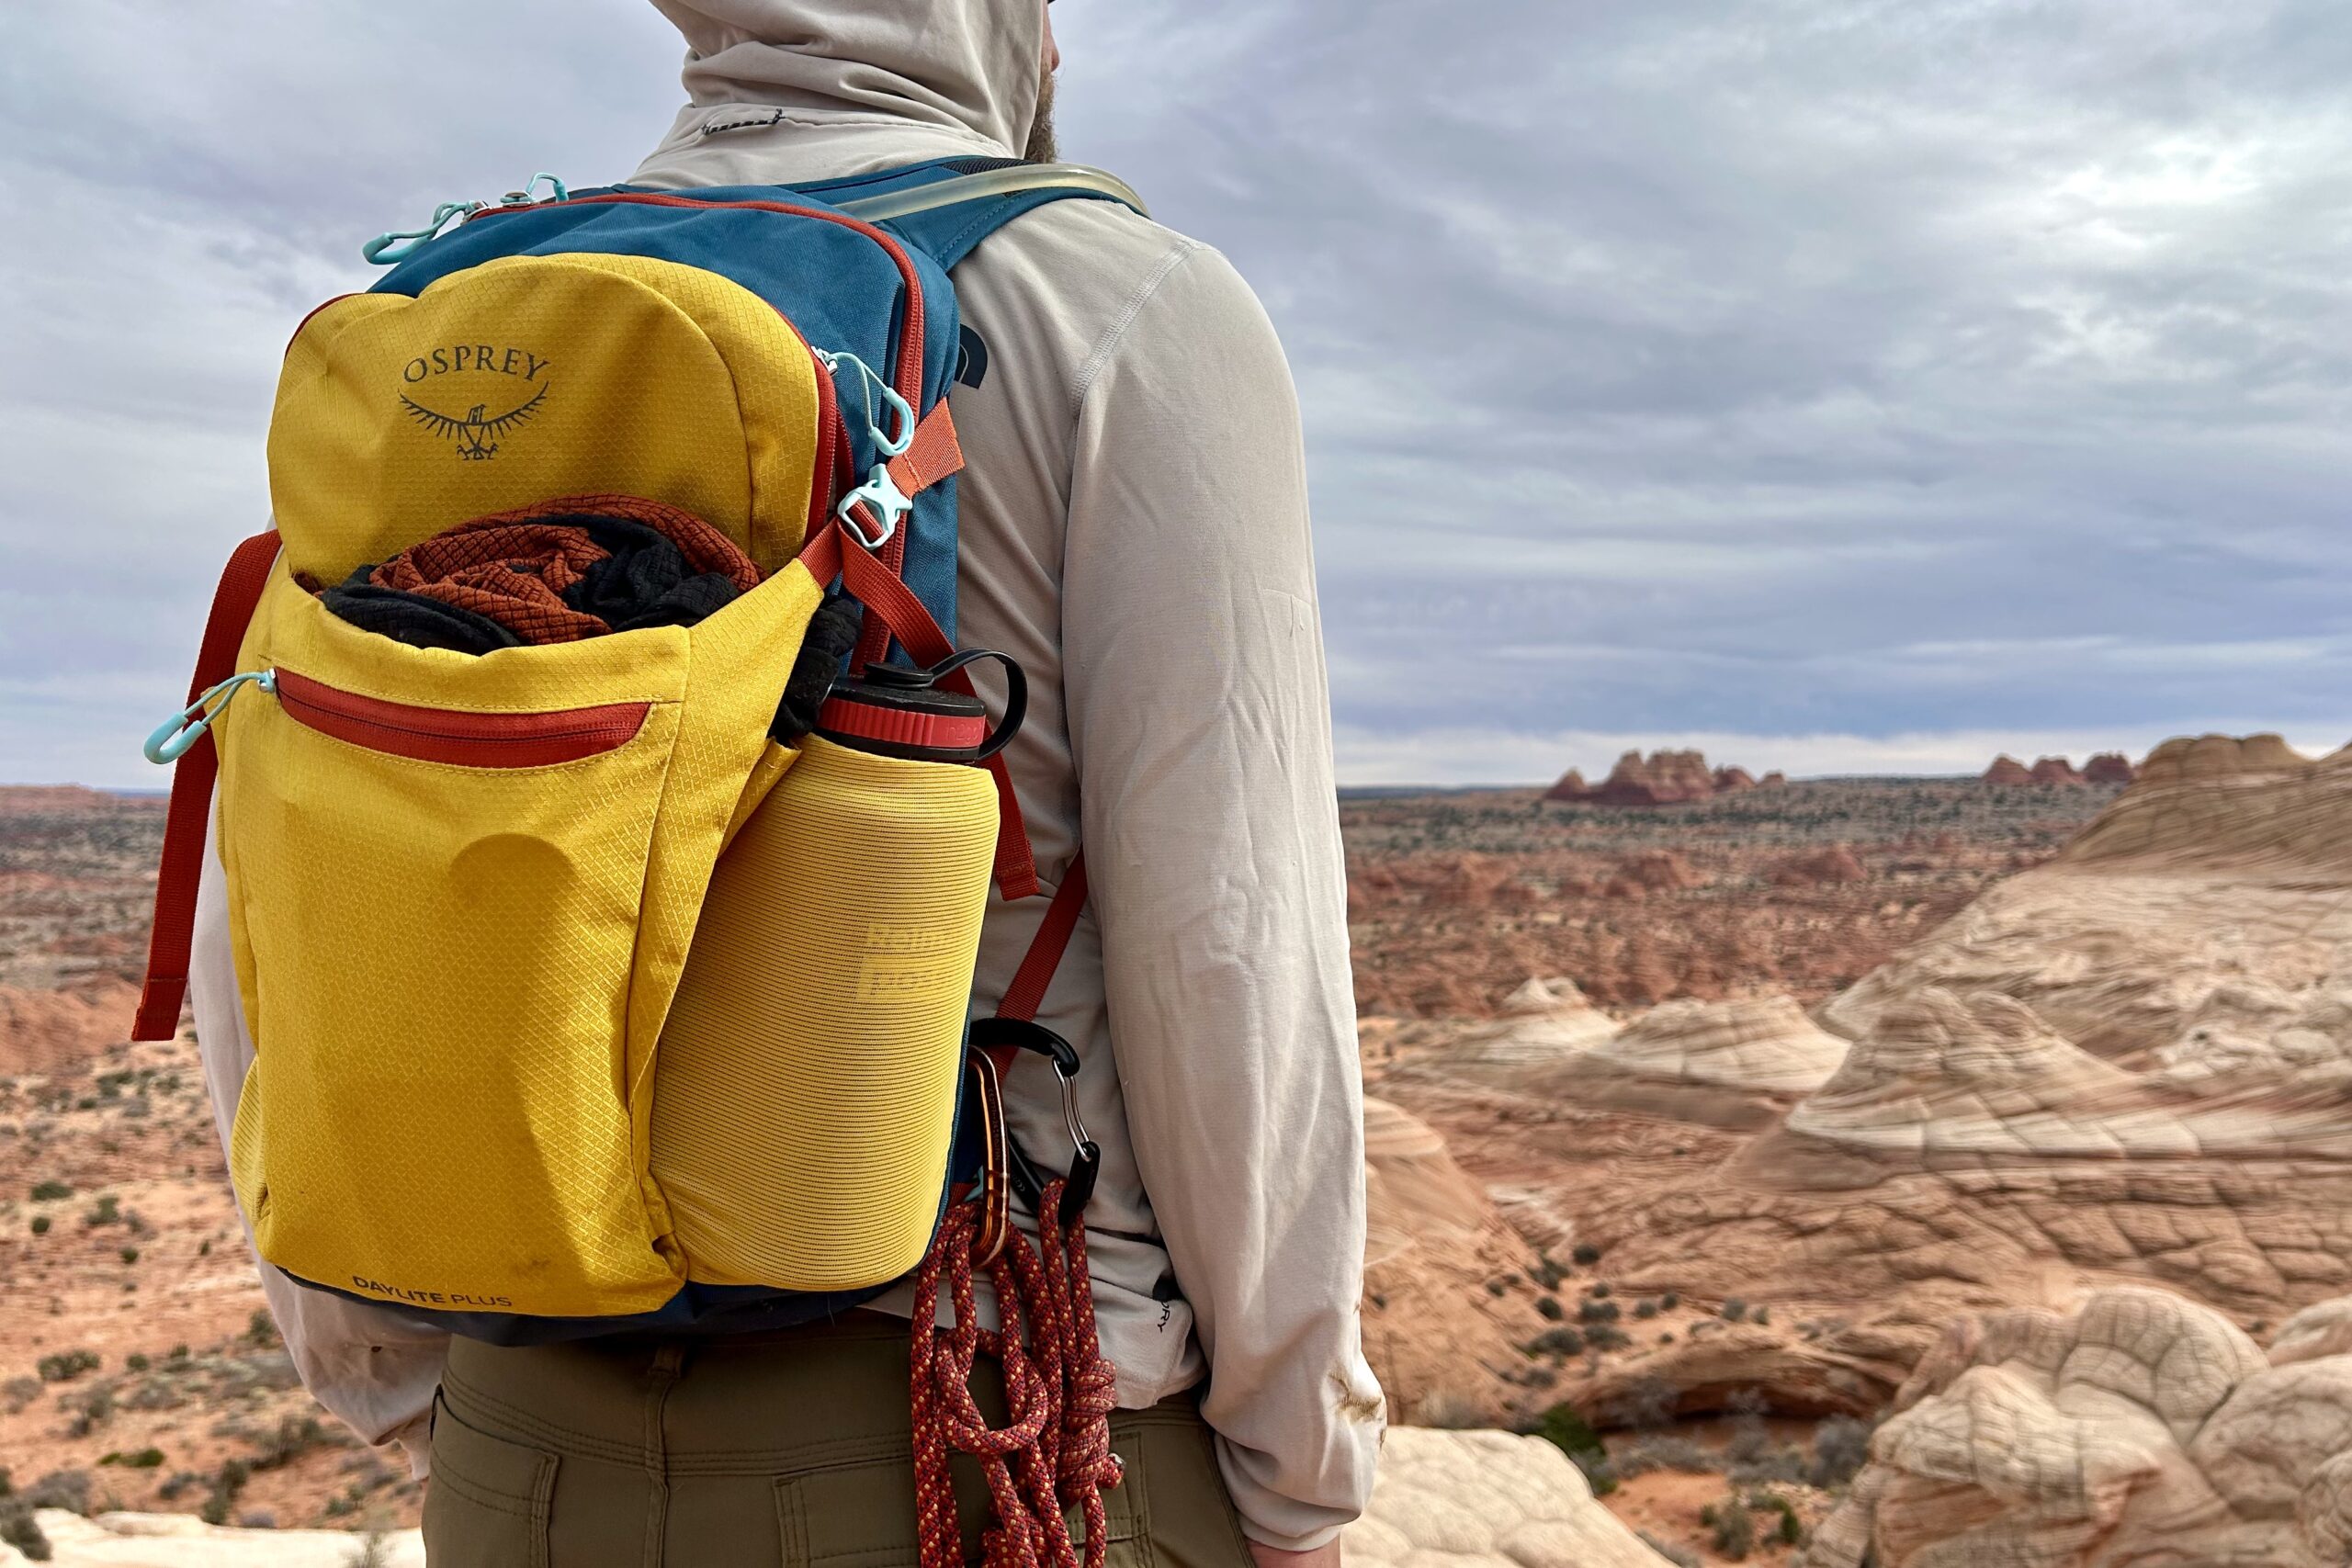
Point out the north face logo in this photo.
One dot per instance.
(476, 431)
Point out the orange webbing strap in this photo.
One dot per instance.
(932, 454)
(1027, 992)
(892, 604)
(183, 865)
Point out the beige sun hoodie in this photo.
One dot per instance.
(1134, 532)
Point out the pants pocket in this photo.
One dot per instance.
(487, 1503)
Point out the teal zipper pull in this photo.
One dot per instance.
(395, 247)
(174, 736)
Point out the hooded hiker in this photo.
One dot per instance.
(480, 843)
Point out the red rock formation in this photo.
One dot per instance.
(1817, 868)
(2108, 768)
(1653, 871)
(1665, 778)
(2007, 770)
(2055, 770)
(1773, 780)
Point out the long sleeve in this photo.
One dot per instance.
(1200, 725)
(367, 1365)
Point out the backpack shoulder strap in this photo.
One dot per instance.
(944, 208)
(172, 936)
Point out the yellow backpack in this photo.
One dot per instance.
(579, 1002)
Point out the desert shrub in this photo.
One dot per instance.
(1787, 1528)
(93, 1410)
(1549, 1272)
(1606, 1336)
(1549, 1309)
(137, 1458)
(1761, 1314)
(1664, 1451)
(135, 1362)
(373, 1551)
(1586, 1255)
(261, 1328)
(1647, 1403)
(1598, 1312)
(50, 1191)
(1841, 1446)
(40, 1224)
(130, 1255)
(1733, 1530)
(1670, 1301)
(66, 1365)
(1562, 1341)
(1783, 1466)
(1748, 1440)
(20, 1529)
(1680, 1556)
(1734, 1310)
(18, 1393)
(107, 1210)
(296, 1436)
(66, 1489)
(227, 1482)
(1573, 1436)
(1600, 1290)
(1646, 1310)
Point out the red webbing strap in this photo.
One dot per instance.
(1027, 992)
(183, 863)
(894, 605)
(932, 454)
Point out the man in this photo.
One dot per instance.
(1134, 532)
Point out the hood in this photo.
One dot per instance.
(967, 66)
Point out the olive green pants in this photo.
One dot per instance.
(780, 1450)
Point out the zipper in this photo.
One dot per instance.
(910, 345)
(832, 438)
(461, 737)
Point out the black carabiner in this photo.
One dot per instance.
(1086, 1154)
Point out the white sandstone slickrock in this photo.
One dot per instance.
(181, 1540)
(2140, 1431)
(1486, 1500)
(1443, 1500)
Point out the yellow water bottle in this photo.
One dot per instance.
(805, 1086)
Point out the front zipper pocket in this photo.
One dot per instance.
(461, 888)
(461, 737)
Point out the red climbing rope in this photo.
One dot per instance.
(1055, 1450)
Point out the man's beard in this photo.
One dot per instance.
(1042, 148)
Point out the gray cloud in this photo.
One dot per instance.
(1826, 372)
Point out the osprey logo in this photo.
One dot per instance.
(478, 430)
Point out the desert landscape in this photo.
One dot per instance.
(1925, 1173)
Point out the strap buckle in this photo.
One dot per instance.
(890, 503)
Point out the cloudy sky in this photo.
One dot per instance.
(1841, 385)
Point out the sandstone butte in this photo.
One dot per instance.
(2007, 770)
(2054, 770)
(2108, 768)
(1664, 778)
